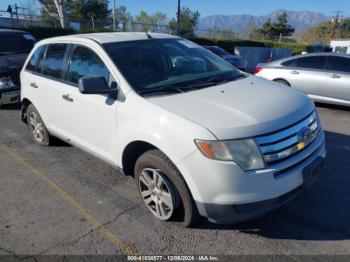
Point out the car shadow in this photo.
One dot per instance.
(331, 106)
(321, 212)
(11, 107)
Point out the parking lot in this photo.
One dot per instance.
(60, 200)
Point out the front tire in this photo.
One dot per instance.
(163, 189)
(36, 125)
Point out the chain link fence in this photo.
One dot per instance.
(95, 25)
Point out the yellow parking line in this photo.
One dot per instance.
(70, 200)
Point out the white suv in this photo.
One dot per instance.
(199, 136)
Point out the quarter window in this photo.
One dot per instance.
(85, 62)
(35, 61)
(339, 64)
(290, 63)
(54, 60)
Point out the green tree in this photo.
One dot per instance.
(85, 9)
(318, 33)
(267, 29)
(51, 10)
(122, 17)
(79, 9)
(322, 32)
(344, 29)
(188, 22)
(148, 22)
(281, 27)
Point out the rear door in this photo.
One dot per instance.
(338, 78)
(307, 74)
(32, 81)
(50, 84)
(41, 79)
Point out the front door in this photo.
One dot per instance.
(338, 78)
(90, 120)
(307, 75)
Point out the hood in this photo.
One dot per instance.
(12, 62)
(243, 108)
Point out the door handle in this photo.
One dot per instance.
(33, 85)
(294, 72)
(67, 97)
(335, 76)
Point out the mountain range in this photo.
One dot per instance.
(300, 20)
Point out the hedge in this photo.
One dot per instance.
(230, 45)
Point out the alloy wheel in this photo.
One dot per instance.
(157, 192)
(36, 127)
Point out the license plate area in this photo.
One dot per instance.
(312, 171)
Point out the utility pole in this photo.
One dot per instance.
(178, 29)
(16, 11)
(336, 21)
(114, 15)
(9, 10)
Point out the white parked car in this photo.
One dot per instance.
(200, 137)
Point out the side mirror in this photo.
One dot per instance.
(96, 85)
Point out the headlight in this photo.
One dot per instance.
(244, 152)
(6, 82)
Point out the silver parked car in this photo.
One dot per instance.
(325, 77)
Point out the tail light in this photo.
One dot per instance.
(258, 69)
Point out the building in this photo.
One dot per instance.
(341, 46)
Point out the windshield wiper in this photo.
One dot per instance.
(213, 81)
(167, 89)
(175, 88)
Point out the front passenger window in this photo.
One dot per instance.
(85, 62)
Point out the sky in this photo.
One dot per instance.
(221, 7)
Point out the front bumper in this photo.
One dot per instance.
(10, 96)
(226, 213)
(224, 193)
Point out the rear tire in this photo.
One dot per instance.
(282, 81)
(178, 205)
(37, 128)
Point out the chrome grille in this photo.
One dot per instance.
(285, 143)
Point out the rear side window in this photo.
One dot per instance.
(35, 61)
(85, 62)
(289, 63)
(339, 64)
(310, 62)
(54, 60)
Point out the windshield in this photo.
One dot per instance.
(16, 43)
(218, 50)
(169, 65)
